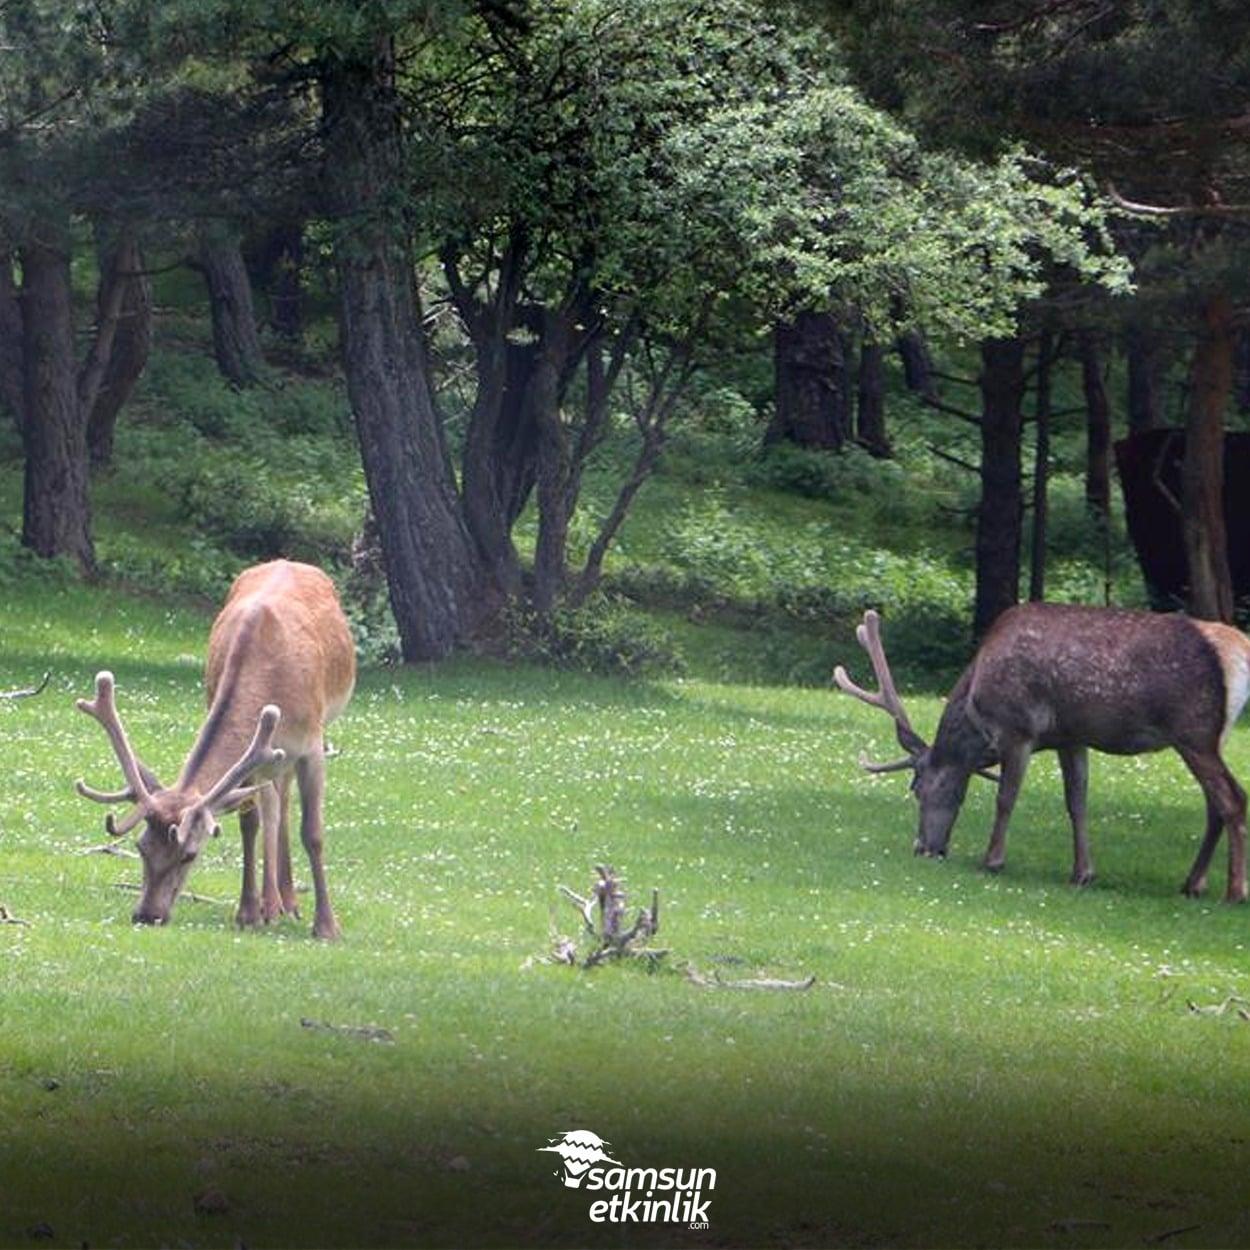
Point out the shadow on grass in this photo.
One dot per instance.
(857, 1167)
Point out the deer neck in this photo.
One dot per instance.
(224, 735)
(961, 738)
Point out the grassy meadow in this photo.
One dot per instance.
(982, 1060)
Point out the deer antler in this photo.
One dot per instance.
(895, 766)
(140, 780)
(260, 753)
(886, 697)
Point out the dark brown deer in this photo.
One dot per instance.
(281, 666)
(1063, 678)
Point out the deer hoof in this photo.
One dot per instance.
(327, 930)
(994, 866)
(1082, 878)
(1194, 889)
(248, 916)
(1235, 896)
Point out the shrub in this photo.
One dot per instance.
(18, 563)
(603, 636)
(367, 603)
(199, 568)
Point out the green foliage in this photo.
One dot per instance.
(821, 475)
(807, 571)
(188, 385)
(604, 635)
(19, 566)
(261, 472)
(710, 167)
(199, 568)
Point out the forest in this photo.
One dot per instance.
(623, 363)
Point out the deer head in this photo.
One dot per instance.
(940, 773)
(178, 821)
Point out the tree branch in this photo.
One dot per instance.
(940, 405)
(1139, 209)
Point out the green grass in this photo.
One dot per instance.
(981, 1059)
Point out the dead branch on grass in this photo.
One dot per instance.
(133, 887)
(717, 982)
(111, 848)
(604, 914)
(1218, 1009)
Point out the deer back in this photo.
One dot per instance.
(281, 639)
(1117, 681)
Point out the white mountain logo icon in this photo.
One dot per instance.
(579, 1149)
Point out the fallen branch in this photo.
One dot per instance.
(1218, 1009)
(111, 848)
(603, 912)
(584, 905)
(7, 917)
(28, 693)
(1172, 1232)
(134, 888)
(716, 982)
(364, 1032)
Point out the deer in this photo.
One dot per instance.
(1070, 679)
(281, 666)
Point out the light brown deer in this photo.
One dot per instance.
(1064, 678)
(281, 666)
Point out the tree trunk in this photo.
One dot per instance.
(439, 592)
(275, 261)
(1041, 469)
(236, 343)
(1144, 397)
(652, 419)
(56, 513)
(10, 341)
(555, 459)
(122, 262)
(870, 414)
(917, 363)
(1202, 475)
(812, 394)
(1242, 371)
(500, 452)
(999, 516)
(1097, 428)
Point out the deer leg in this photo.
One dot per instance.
(286, 879)
(1015, 762)
(270, 809)
(1226, 800)
(1074, 762)
(1196, 883)
(311, 774)
(249, 906)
